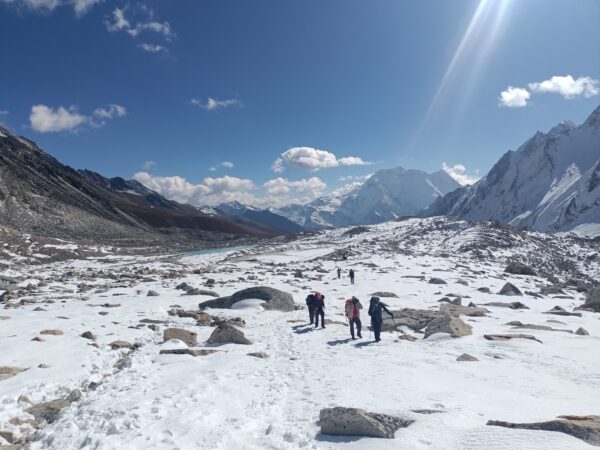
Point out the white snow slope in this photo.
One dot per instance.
(229, 400)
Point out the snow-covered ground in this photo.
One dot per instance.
(229, 400)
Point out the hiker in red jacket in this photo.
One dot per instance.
(352, 310)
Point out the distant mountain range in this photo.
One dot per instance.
(388, 194)
(550, 183)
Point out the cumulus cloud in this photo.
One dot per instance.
(212, 104)
(142, 23)
(45, 119)
(79, 6)
(149, 165)
(225, 164)
(514, 97)
(313, 159)
(459, 173)
(567, 86)
(310, 188)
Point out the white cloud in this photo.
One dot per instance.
(152, 48)
(353, 178)
(514, 97)
(149, 165)
(567, 86)
(143, 23)
(310, 188)
(459, 173)
(45, 119)
(3, 112)
(212, 104)
(79, 6)
(313, 159)
(225, 164)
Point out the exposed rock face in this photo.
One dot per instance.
(274, 299)
(510, 289)
(519, 268)
(592, 300)
(448, 324)
(586, 428)
(357, 422)
(507, 337)
(457, 310)
(188, 337)
(228, 334)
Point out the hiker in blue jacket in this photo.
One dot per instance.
(375, 311)
(311, 305)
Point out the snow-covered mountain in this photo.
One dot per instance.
(551, 183)
(386, 195)
(250, 215)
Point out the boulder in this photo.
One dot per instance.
(228, 334)
(582, 332)
(117, 345)
(485, 290)
(530, 326)
(510, 289)
(560, 311)
(518, 268)
(592, 300)
(384, 294)
(452, 325)
(52, 332)
(435, 280)
(274, 299)
(261, 355)
(512, 305)
(152, 293)
(466, 357)
(507, 337)
(47, 411)
(357, 422)
(88, 335)
(586, 428)
(188, 337)
(457, 310)
(189, 351)
(7, 372)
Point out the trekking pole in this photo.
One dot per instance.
(397, 333)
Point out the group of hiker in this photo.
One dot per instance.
(316, 309)
(350, 274)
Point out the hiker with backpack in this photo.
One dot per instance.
(376, 307)
(351, 275)
(352, 310)
(319, 309)
(311, 305)
(339, 273)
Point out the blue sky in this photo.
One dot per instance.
(168, 90)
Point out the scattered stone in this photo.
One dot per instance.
(507, 337)
(7, 372)
(4, 317)
(274, 299)
(39, 308)
(9, 436)
(407, 337)
(43, 366)
(485, 290)
(530, 326)
(466, 357)
(38, 339)
(519, 268)
(52, 332)
(152, 293)
(188, 337)
(117, 345)
(189, 351)
(582, 332)
(103, 313)
(384, 294)
(586, 428)
(357, 422)
(88, 335)
(510, 289)
(436, 281)
(74, 396)
(560, 311)
(452, 325)
(512, 305)
(154, 327)
(228, 334)
(261, 355)
(428, 411)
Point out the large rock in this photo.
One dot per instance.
(452, 325)
(592, 300)
(357, 422)
(188, 337)
(512, 305)
(586, 428)
(274, 299)
(228, 334)
(519, 268)
(510, 289)
(435, 280)
(7, 372)
(458, 310)
(189, 351)
(48, 411)
(507, 337)
(384, 294)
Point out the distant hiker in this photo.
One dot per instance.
(339, 272)
(375, 310)
(352, 310)
(345, 256)
(311, 305)
(319, 309)
(351, 274)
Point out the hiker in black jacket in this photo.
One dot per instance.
(319, 309)
(311, 305)
(375, 311)
(351, 274)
